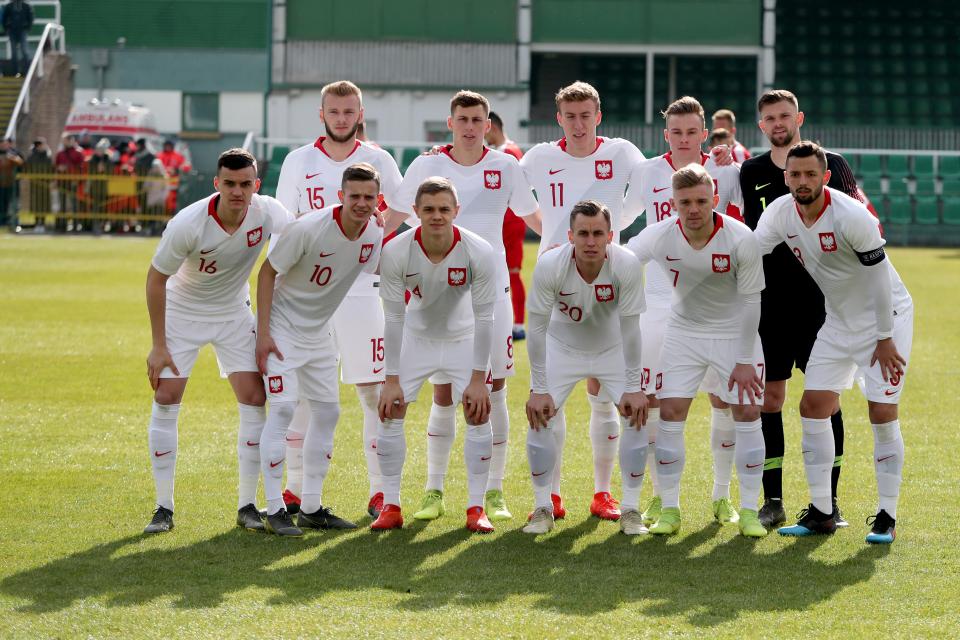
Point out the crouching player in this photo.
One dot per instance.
(868, 331)
(445, 329)
(318, 259)
(714, 265)
(584, 321)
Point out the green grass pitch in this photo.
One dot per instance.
(77, 491)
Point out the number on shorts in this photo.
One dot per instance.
(377, 344)
(509, 346)
(321, 275)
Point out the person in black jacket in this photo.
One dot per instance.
(17, 18)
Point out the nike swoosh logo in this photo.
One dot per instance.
(289, 439)
(612, 437)
(669, 259)
(381, 454)
(329, 457)
(726, 445)
(885, 457)
(890, 392)
(326, 255)
(554, 171)
(484, 458)
(807, 451)
(656, 190)
(375, 371)
(497, 444)
(791, 237)
(509, 366)
(636, 475)
(671, 462)
(204, 252)
(274, 465)
(761, 186)
(160, 455)
(754, 466)
(568, 293)
(537, 474)
(253, 444)
(433, 435)
(410, 275)
(313, 175)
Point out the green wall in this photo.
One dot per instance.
(431, 20)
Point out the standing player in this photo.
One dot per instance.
(318, 259)
(514, 229)
(685, 132)
(867, 333)
(584, 166)
(488, 182)
(452, 277)
(585, 308)
(725, 119)
(197, 293)
(792, 305)
(716, 275)
(309, 180)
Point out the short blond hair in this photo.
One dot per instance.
(720, 136)
(579, 91)
(690, 176)
(341, 88)
(683, 106)
(434, 185)
(724, 114)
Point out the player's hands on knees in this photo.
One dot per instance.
(749, 384)
(633, 407)
(266, 346)
(391, 403)
(891, 362)
(476, 402)
(540, 410)
(158, 359)
(722, 155)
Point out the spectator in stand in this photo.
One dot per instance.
(99, 165)
(17, 18)
(725, 119)
(175, 164)
(10, 162)
(514, 230)
(39, 163)
(70, 164)
(152, 190)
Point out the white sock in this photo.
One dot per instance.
(441, 431)
(633, 461)
(392, 452)
(317, 452)
(477, 452)
(751, 453)
(296, 432)
(369, 396)
(818, 451)
(653, 426)
(162, 438)
(542, 457)
(671, 456)
(723, 440)
(888, 462)
(500, 424)
(273, 452)
(604, 434)
(252, 420)
(558, 425)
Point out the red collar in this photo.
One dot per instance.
(417, 235)
(447, 149)
(563, 143)
(319, 145)
(826, 203)
(337, 212)
(717, 225)
(668, 156)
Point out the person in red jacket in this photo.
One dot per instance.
(175, 164)
(514, 230)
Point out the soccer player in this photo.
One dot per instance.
(584, 166)
(685, 132)
(725, 119)
(867, 333)
(318, 259)
(585, 305)
(488, 182)
(792, 310)
(453, 277)
(197, 294)
(716, 274)
(309, 180)
(514, 230)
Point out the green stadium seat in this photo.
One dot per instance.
(872, 186)
(899, 210)
(948, 165)
(897, 187)
(951, 210)
(409, 155)
(870, 166)
(951, 185)
(922, 167)
(897, 166)
(927, 212)
(278, 154)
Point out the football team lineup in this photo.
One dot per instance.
(747, 268)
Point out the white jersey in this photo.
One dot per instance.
(562, 180)
(485, 190)
(709, 283)
(829, 250)
(586, 316)
(310, 180)
(317, 264)
(442, 295)
(210, 268)
(653, 193)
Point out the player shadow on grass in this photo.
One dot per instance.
(707, 580)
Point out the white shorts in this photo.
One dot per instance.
(234, 341)
(566, 367)
(501, 350)
(357, 327)
(449, 360)
(306, 372)
(653, 323)
(839, 356)
(688, 359)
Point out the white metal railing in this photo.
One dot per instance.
(56, 35)
(248, 141)
(36, 4)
